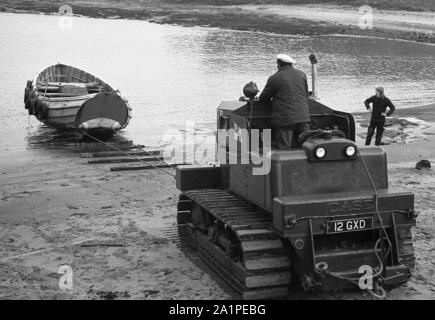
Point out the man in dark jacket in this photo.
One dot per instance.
(288, 89)
(380, 103)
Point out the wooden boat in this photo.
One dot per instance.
(68, 98)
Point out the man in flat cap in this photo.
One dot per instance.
(288, 90)
(377, 122)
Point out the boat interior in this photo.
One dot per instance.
(61, 80)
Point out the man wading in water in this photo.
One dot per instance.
(288, 90)
(380, 103)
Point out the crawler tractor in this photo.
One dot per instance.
(323, 215)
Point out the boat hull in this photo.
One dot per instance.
(67, 98)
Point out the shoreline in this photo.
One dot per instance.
(265, 18)
(424, 112)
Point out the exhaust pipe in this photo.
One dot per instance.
(313, 60)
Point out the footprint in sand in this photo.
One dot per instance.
(20, 195)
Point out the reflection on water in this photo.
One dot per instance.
(42, 137)
(175, 74)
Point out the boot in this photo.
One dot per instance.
(379, 133)
(370, 133)
(378, 141)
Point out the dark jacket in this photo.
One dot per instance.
(379, 107)
(288, 89)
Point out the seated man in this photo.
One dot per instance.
(288, 89)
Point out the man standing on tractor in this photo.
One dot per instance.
(380, 103)
(288, 90)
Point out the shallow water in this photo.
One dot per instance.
(173, 74)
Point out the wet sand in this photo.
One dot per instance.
(115, 230)
(345, 15)
(56, 210)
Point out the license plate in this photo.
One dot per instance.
(349, 225)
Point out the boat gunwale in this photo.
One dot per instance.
(71, 98)
(70, 66)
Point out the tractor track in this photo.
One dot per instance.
(264, 270)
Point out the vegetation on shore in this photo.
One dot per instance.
(211, 13)
(412, 5)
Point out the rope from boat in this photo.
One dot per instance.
(132, 156)
(375, 190)
(323, 267)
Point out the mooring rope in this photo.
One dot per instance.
(133, 156)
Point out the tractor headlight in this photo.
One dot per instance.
(350, 151)
(320, 153)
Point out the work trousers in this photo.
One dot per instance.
(377, 125)
(287, 137)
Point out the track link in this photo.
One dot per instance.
(406, 250)
(264, 268)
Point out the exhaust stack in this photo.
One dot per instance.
(313, 60)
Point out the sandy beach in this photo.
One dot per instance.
(116, 229)
(108, 227)
(347, 15)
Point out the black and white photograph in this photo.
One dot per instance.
(217, 155)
